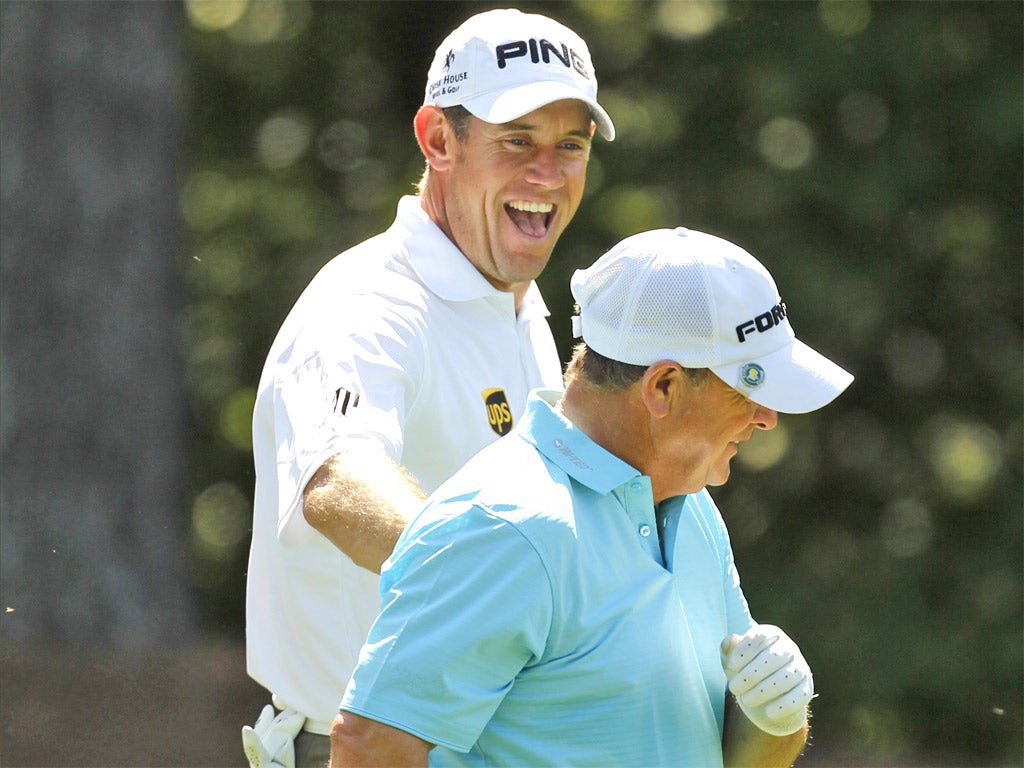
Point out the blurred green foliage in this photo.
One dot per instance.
(869, 153)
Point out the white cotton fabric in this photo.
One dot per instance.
(405, 323)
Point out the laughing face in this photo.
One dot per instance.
(513, 189)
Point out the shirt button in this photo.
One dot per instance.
(645, 530)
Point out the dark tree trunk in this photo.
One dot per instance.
(94, 414)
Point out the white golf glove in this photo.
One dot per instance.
(769, 677)
(271, 744)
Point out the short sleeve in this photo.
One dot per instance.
(346, 381)
(466, 606)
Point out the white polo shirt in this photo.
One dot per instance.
(398, 345)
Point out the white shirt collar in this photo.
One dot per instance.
(444, 269)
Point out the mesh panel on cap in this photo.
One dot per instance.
(651, 309)
(673, 305)
(613, 302)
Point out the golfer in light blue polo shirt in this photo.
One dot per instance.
(559, 616)
(569, 597)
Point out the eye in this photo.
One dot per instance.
(575, 145)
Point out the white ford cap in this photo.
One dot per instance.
(676, 294)
(502, 64)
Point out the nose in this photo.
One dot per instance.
(545, 169)
(765, 418)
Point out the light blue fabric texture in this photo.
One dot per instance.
(529, 618)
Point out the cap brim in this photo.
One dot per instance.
(793, 379)
(513, 103)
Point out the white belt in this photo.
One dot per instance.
(319, 727)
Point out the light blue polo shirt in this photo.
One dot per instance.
(529, 618)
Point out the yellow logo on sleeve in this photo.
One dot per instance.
(499, 413)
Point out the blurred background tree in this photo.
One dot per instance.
(93, 388)
(868, 152)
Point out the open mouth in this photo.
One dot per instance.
(533, 219)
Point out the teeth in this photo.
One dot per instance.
(522, 205)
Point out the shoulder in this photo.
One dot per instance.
(378, 267)
(369, 286)
(511, 482)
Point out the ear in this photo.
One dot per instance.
(661, 383)
(434, 135)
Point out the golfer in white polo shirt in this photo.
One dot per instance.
(406, 355)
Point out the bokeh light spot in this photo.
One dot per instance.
(966, 232)
(644, 117)
(764, 449)
(625, 210)
(691, 19)
(236, 418)
(965, 455)
(343, 144)
(262, 22)
(213, 15)
(845, 17)
(282, 140)
(368, 185)
(906, 528)
(288, 212)
(220, 519)
(208, 199)
(880, 729)
(786, 143)
(966, 37)
(605, 11)
(223, 266)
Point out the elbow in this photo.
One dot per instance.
(344, 743)
(347, 748)
(313, 499)
(312, 514)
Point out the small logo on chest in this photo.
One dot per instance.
(499, 413)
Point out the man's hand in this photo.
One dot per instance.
(769, 677)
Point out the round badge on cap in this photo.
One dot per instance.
(752, 375)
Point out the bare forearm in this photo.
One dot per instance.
(361, 503)
(746, 746)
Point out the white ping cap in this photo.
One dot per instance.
(502, 64)
(699, 300)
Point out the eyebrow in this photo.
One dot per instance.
(579, 133)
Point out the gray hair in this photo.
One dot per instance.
(593, 368)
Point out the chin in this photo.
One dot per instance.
(719, 478)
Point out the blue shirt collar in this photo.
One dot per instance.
(569, 448)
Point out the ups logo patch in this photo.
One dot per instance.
(499, 414)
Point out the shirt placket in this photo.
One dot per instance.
(638, 501)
